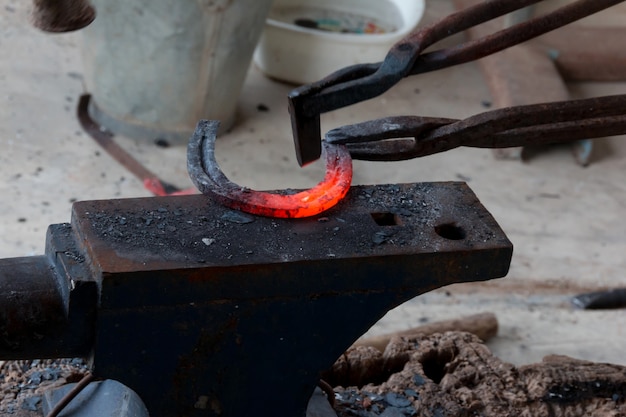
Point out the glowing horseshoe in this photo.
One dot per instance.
(210, 180)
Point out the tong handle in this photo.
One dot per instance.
(406, 137)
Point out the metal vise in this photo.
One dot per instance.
(204, 311)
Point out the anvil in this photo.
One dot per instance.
(205, 311)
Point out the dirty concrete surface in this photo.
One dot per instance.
(566, 222)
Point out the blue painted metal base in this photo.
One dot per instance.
(106, 398)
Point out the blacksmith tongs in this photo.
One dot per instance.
(360, 82)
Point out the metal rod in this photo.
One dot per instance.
(67, 398)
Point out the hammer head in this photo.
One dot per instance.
(62, 15)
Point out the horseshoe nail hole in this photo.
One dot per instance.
(450, 231)
(386, 219)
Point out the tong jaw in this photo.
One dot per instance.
(306, 130)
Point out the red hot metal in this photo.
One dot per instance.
(205, 173)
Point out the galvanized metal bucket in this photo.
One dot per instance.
(155, 67)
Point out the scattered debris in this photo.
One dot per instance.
(483, 325)
(455, 374)
(22, 383)
(236, 217)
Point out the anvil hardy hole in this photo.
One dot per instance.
(385, 219)
(450, 231)
(434, 364)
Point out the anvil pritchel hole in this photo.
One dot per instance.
(450, 231)
(386, 219)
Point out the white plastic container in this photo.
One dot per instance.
(291, 50)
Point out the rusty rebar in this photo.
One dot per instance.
(67, 398)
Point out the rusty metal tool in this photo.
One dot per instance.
(206, 311)
(62, 15)
(106, 140)
(364, 81)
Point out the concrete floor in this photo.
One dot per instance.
(566, 222)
